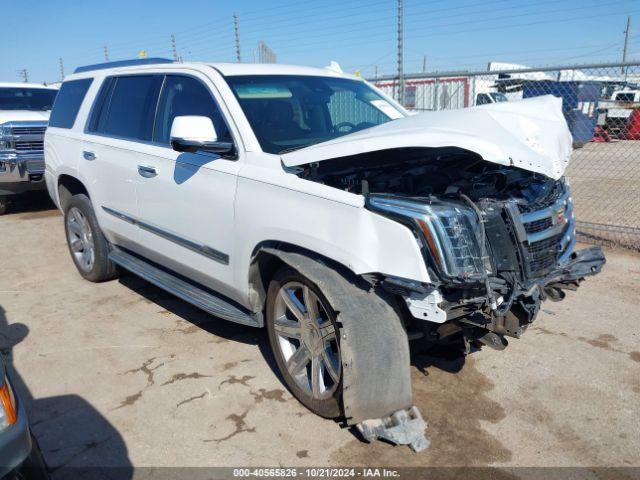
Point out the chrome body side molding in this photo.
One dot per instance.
(172, 237)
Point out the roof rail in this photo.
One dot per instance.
(122, 63)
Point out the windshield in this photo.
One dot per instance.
(498, 97)
(289, 112)
(17, 98)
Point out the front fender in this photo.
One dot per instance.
(361, 240)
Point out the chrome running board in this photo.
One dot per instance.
(196, 295)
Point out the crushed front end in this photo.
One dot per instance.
(497, 240)
(496, 257)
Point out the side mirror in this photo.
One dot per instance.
(193, 133)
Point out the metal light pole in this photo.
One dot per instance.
(626, 43)
(174, 48)
(237, 35)
(400, 54)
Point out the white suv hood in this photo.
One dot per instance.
(531, 134)
(23, 116)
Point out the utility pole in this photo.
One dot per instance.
(174, 49)
(400, 54)
(424, 64)
(375, 75)
(61, 69)
(24, 74)
(237, 34)
(106, 54)
(626, 43)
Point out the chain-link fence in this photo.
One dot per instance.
(601, 103)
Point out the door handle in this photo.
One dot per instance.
(147, 171)
(88, 155)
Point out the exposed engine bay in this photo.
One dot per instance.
(498, 239)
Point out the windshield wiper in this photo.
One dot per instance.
(300, 147)
(293, 149)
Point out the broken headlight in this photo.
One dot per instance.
(448, 229)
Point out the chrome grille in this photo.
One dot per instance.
(29, 146)
(538, 225)
(27, 138)
(544, 254)
(547, 230)
(29, 130)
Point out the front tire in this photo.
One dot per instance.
(87, 245)
(304, 339)
(4, 204)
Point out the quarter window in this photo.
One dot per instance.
(68, 101)
(186, 96)
(100, 108)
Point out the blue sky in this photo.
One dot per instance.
(359, 34)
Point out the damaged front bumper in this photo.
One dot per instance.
(477, 321)
(530, 258)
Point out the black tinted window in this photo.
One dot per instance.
(100, 107)
(483, 99)
(68, 101)
(26, 98)
(131, 107)
(186, 96)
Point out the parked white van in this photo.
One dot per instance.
(308, 202)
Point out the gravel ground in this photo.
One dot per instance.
(122, 374)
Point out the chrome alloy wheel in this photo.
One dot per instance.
(80, 239)
(307, 339)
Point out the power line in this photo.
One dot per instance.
(422, 25)
(367, 41)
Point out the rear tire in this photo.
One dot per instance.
(88, 247)
(304, 340)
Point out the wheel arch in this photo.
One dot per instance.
(269, 256)
(67, 187)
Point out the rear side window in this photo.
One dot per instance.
(68, 101)
(126, 107)
(186, 96)
(101, 106)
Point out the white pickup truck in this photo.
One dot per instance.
(24, 112)
(308, 202)
(618, 109)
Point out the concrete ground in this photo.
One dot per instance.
(122, 374)
(605, 185)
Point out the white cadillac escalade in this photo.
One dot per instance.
(306, 201)
(24, 111)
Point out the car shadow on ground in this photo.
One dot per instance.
(77, 441)
(31, 203)
(207, 322)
